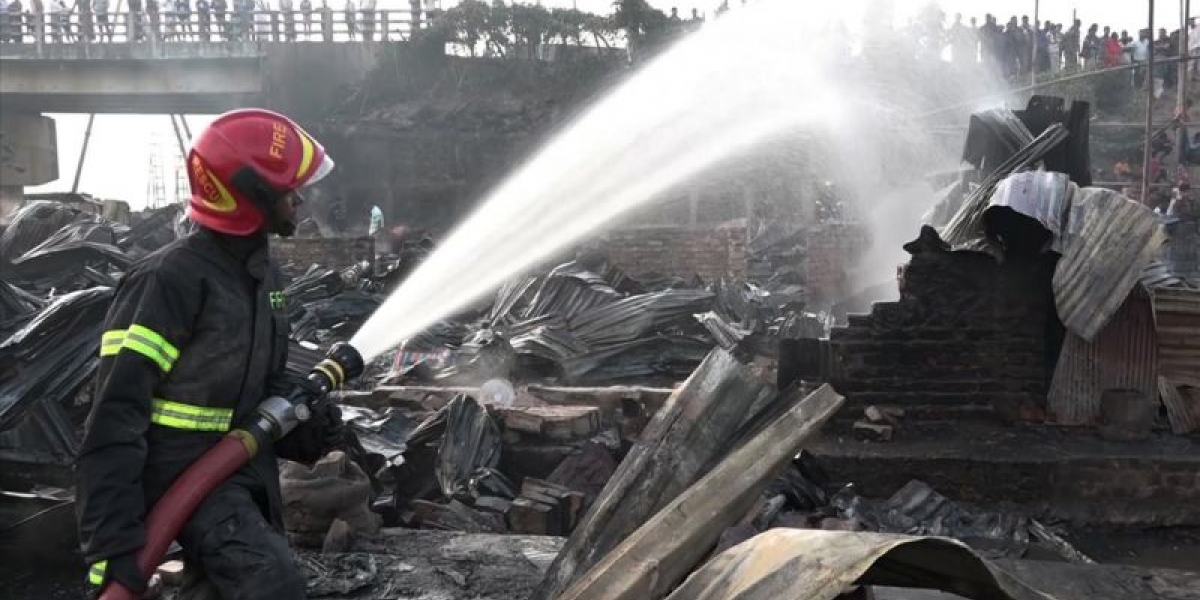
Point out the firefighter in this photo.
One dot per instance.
(196, 337)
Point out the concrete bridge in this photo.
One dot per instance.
(175, 64)
(131, 78)
(141, 67)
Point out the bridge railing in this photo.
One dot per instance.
(319, 25)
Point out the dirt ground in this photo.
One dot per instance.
(428, 565)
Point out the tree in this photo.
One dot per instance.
(567, 25)
(470, 20)
(529, 25)
(644, 25)
(601, 28)
(499, 28)
(637, 17)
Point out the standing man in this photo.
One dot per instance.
(1013, 44)
(1026, 36)
(349, 12)
(155, 17)
(204, 19)
(103, 24)
(289, 19)
(368, 19)
(1070, 46)
(196, 337)
(1054, 37)
(1140, 53)
(376, 230)
(62, 23)
(136, 31)
(5, 23)
(220, 8)
(987, 45)
(1093, 48)
(16, 25)
(326, 21)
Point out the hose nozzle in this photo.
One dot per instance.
(340, 365)
(276, 416)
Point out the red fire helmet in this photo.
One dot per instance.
(244, 150)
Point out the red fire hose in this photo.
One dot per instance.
(176, 506)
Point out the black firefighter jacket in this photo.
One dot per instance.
(196, 337)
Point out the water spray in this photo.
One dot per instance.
(276, 417)
(652, 132)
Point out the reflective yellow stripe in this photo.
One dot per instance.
(306, 155)
(110, 342)
(153, 336)
(96, 573)
(144, 341)
(178, 415)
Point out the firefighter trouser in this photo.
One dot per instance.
(232, 552)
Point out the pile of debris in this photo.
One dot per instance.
(453, 460)
(586, 322)
(806, 497)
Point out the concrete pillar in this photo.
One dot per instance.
(28, 154)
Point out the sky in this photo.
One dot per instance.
(118, 162)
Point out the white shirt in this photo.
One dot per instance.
(1141, 50)
(376, 220)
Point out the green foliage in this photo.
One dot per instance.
(470, 21)
(499, 27)
(638, 18)
(601, 28)
(530, 24)
(567, 25)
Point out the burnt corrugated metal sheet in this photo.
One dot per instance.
(967, 223)
(44, 435)
(1124, 355)
(32, 225)
(1159, 274)
(1183, 407)
(1109, 241)
(570, 292)
(1177, 314)
(793, 564)
(1040, 195)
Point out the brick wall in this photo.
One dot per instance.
(712, 253)
(1073, 477)
(296, 254)
(967, 336)
(833, 249)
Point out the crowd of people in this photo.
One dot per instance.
(191, 20)
(1174, 150)
(1020, 48)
